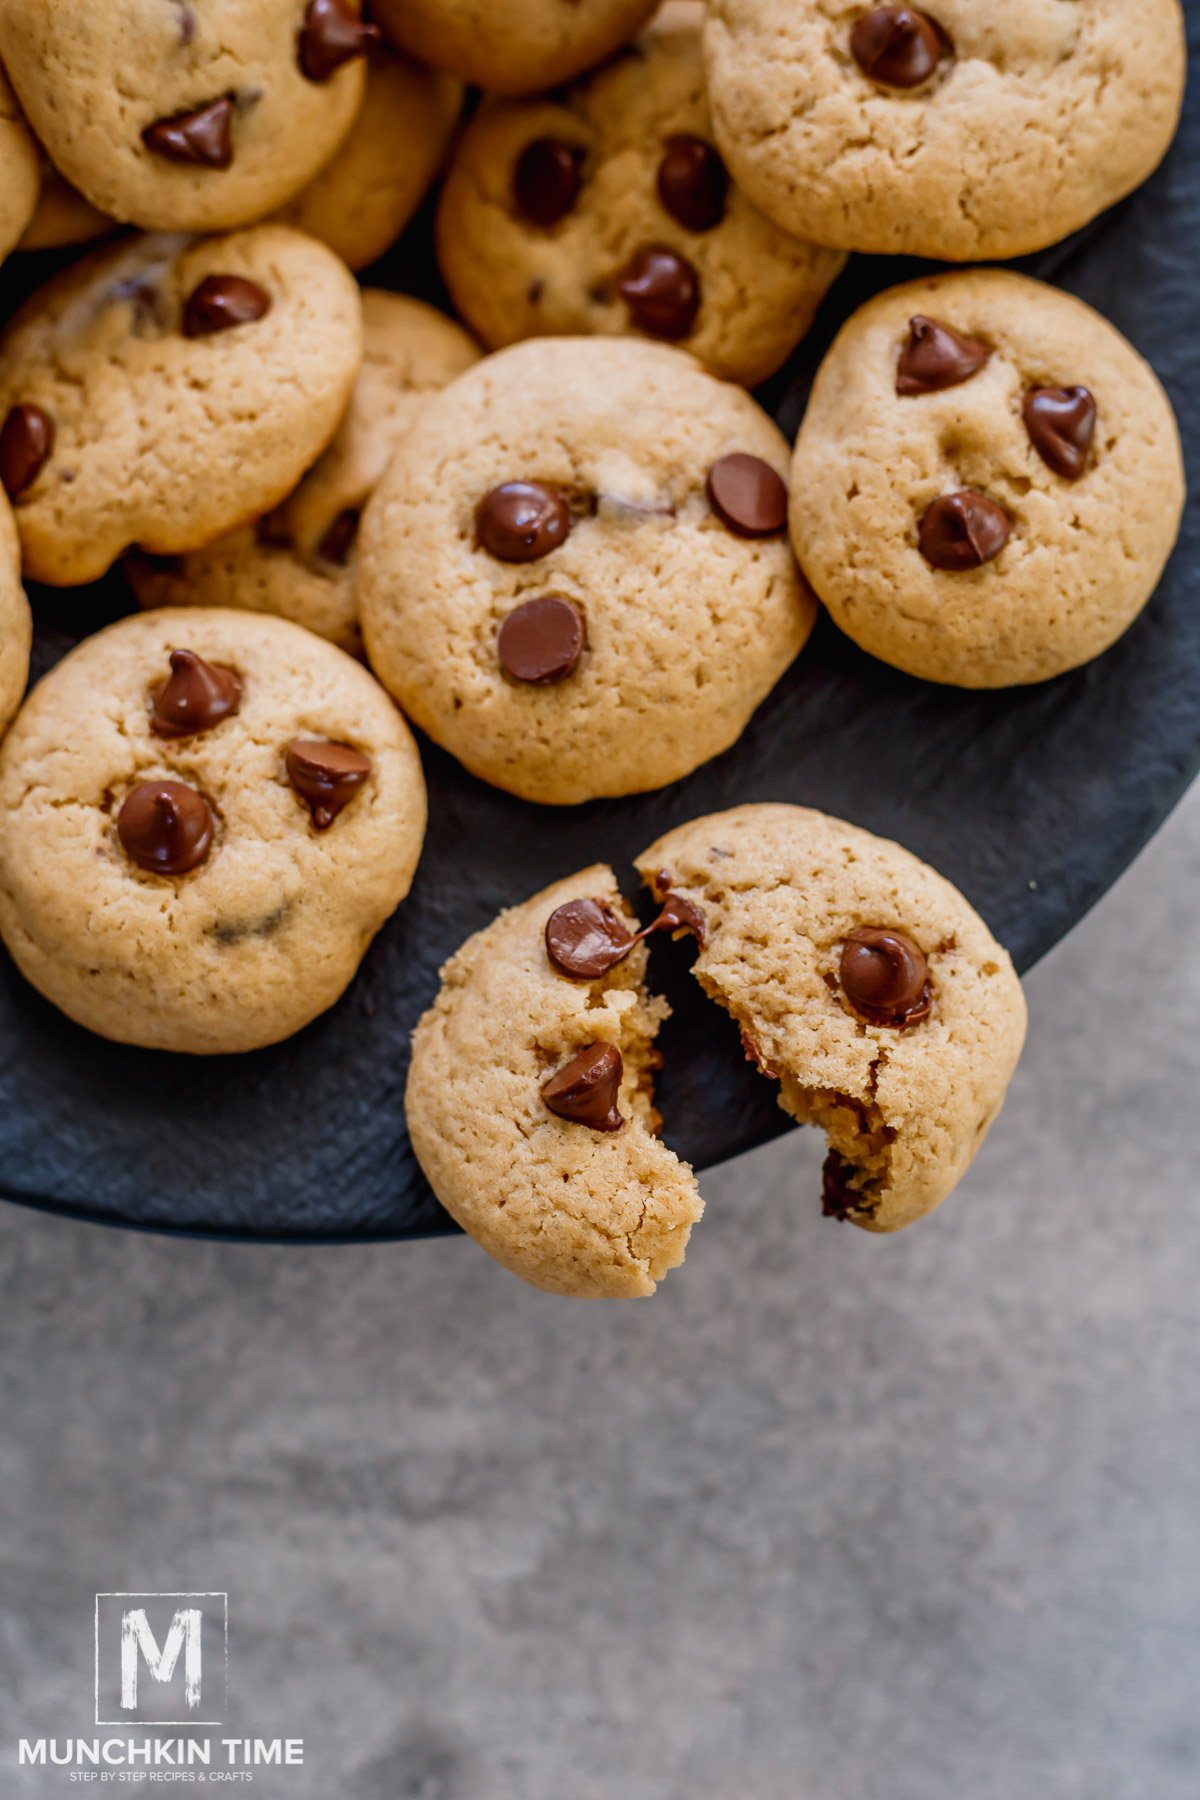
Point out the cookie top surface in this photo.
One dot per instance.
(1077, 545)
(552, 209)
(185, 117)
(16, 621)
(1032, 116)
(300, 561)
(781, 889)
(573, 1209)
(680, 624)
(165, 439)
(512, 46)
(267, 928)
(20, 170)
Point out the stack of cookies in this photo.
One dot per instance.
(560, 537)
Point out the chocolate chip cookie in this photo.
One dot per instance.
(204, 820)
(512, 46)
(575, 575)
(987, 482)
(20, 171)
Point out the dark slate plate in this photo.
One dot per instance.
(1031, 800)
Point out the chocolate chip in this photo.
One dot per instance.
(680, 914)
(26, 440)
(963, 531)
(165, 827)
(662, 292)
(519, 521)
(222, 301)
(332, 34)
(1061, 423)
(936, 357)
(540, 641)
(195, 696)
(897, 46)
(693, 182)
(586, 938)
(838, 1198)
(885, 976)
(326, 775)
(747, 495)
(336, 545)
(547, 179)
(585, 1090)
(203, 136)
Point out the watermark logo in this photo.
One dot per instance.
(161, 1659)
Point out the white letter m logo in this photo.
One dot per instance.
(138, 1642)
(162, 1659)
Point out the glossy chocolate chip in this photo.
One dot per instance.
(26, 440)
(1061, 423)
(963, 531)
(547, 179)
(693, 183)
(585, 1090)
(936, 357)
(540, 641)
(898, 46)
(747, 495)
(587, 938)
(195, 696)
(338, 541)
(680, 914)
(519, 521)
(662, 292)
(325, 775)
(885, 976)
(204, 137)
(220, 302)
(333, 33)
(165, 827)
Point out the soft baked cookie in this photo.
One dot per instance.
(16, 621)
(987, 481)
(62, 215)
(864, 984)
(299, 561)
(20, 171)
(608, 209)
(957, 131)
(204, 820)
(530, 1105)
(574, 576)
(187, 115)
(362, 200)
(165, 392)
(511, 46)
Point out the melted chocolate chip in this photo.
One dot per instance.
(963, 531)
(327, 776)
(898, 46)
(693, 183)
(540, 641)
(195, 696)
(885, 976)
(165, 827)
(26, 440)
(220, 302)
(747, 495)
(680, 914)
(336, 545)
(519, 521)
(585, 1090)
(1061, 423)
(936, 357)
(547, 179)
(662, 292)
(203, 137)
(332, 34)
(587, 938)
(838, 1199)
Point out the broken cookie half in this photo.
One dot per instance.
(864, 984)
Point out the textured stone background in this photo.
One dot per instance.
(831, 1518)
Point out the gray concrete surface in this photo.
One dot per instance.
(829, 1519)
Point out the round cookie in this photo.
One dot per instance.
(362, 200)
(573, 575)
(959, 131)
(62, 216)
(229, 910)
(511, 46)
(181, 116)
(607, 209)
(20, 171)
(16, 621)
(164, 392)
(987, 481)
(300, 560)
(555, 1170)
(864, 984)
